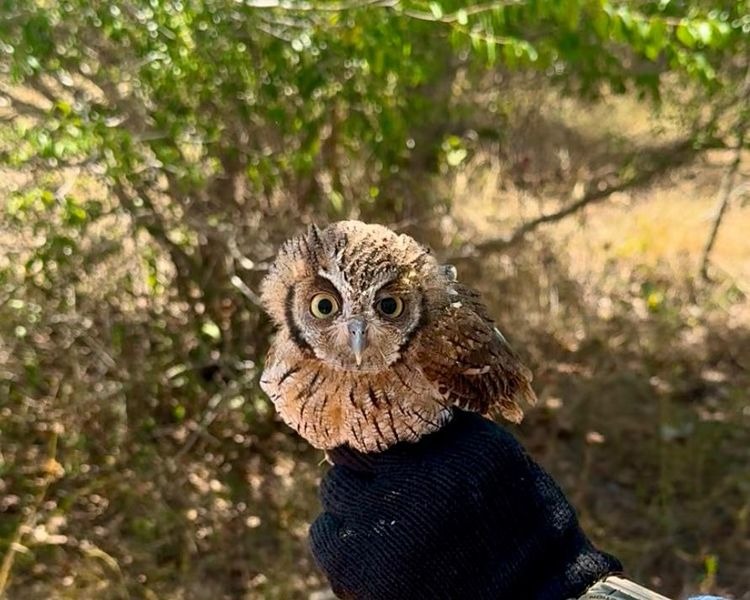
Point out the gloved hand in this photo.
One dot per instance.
(463, 513)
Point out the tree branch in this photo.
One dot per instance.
(21, 107)
(723, 197)
(727, 187)
(658, 161)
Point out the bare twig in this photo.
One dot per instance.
(246, 291)
(245, 262)
(727, 188)
(723, 197)
(150, 220)
(22, 108)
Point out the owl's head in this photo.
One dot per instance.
(353, 294)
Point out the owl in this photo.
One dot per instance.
(376, 341)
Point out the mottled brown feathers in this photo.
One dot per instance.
(376, 341)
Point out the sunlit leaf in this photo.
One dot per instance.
(211, 329)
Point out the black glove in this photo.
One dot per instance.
(463, 513)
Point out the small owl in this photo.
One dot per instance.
(377, 341)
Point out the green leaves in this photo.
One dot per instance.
(211, 330)
(706, 33)
(195, 69)
(74, 214)
(602, 43)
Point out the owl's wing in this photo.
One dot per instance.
(471, 363)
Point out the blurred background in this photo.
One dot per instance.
(584, 163)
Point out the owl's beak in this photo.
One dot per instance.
(357, 338)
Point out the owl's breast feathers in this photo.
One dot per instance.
(457, 357)
(368, 411)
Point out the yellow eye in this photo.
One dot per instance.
(390, 306)
(324, 305)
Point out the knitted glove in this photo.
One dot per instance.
(463, 513)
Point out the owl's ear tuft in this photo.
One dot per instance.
(314, 236)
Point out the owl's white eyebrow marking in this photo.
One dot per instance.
(340, 252)
(383, 281)
(337, 279)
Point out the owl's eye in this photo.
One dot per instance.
(324, 305)
(390, 306)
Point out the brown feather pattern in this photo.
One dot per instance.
(443, 351)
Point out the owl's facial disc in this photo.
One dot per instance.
(363, 331)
